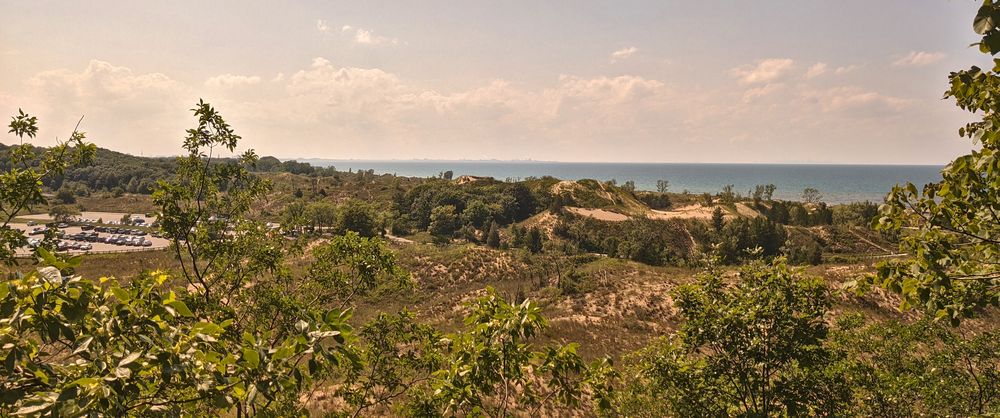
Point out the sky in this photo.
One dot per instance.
(845, 81)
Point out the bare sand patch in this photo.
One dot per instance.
(746, 211)
(599, 214)
(696, 211)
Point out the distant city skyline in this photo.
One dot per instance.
(847, 82)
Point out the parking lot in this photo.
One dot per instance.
(90, 238)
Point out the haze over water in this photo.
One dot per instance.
(837, 183)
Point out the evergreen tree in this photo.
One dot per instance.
(718, 219)
(535, 238)
(493, 237)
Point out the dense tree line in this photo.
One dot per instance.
(476, 204)
(112, 171)
(653, 242)
(796, 213)
(274, 165)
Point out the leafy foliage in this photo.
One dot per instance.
(75, 346)
(921, 368)
(951, 228)
(350, 266)
(487, 200)
(752, 348)
(492, 370)
(25, 172)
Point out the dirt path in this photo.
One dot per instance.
(869, 242)
(398, 240)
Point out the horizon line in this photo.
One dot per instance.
(526, 160)
(495, 160)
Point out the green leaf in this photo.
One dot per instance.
(84, 381)
(180, 307)
(129, 359)
(252, 357)
(121, 294)
(284, 352)
(207, 328)
(984, 20)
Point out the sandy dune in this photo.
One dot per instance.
(695, 211)
(599, 214)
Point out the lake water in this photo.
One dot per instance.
(837, 183)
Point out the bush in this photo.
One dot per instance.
(855, 214)
(65, 196)
(654, 200)
(803, 249)
(576, 283)
(719, 365)
(357, 216)
(444, 221)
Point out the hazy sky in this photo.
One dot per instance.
(837, 81)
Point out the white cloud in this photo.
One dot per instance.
(368, 37)
(919, 59)
(764, 71)
(124, 109)
(358, 35)
(623, 53)
(757, 92)
(322, 26)
(845, 69)
(103, 79)
(232, 80)
(330, 110)
(816, 70)
(855, 99)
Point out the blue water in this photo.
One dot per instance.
(837, 183)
